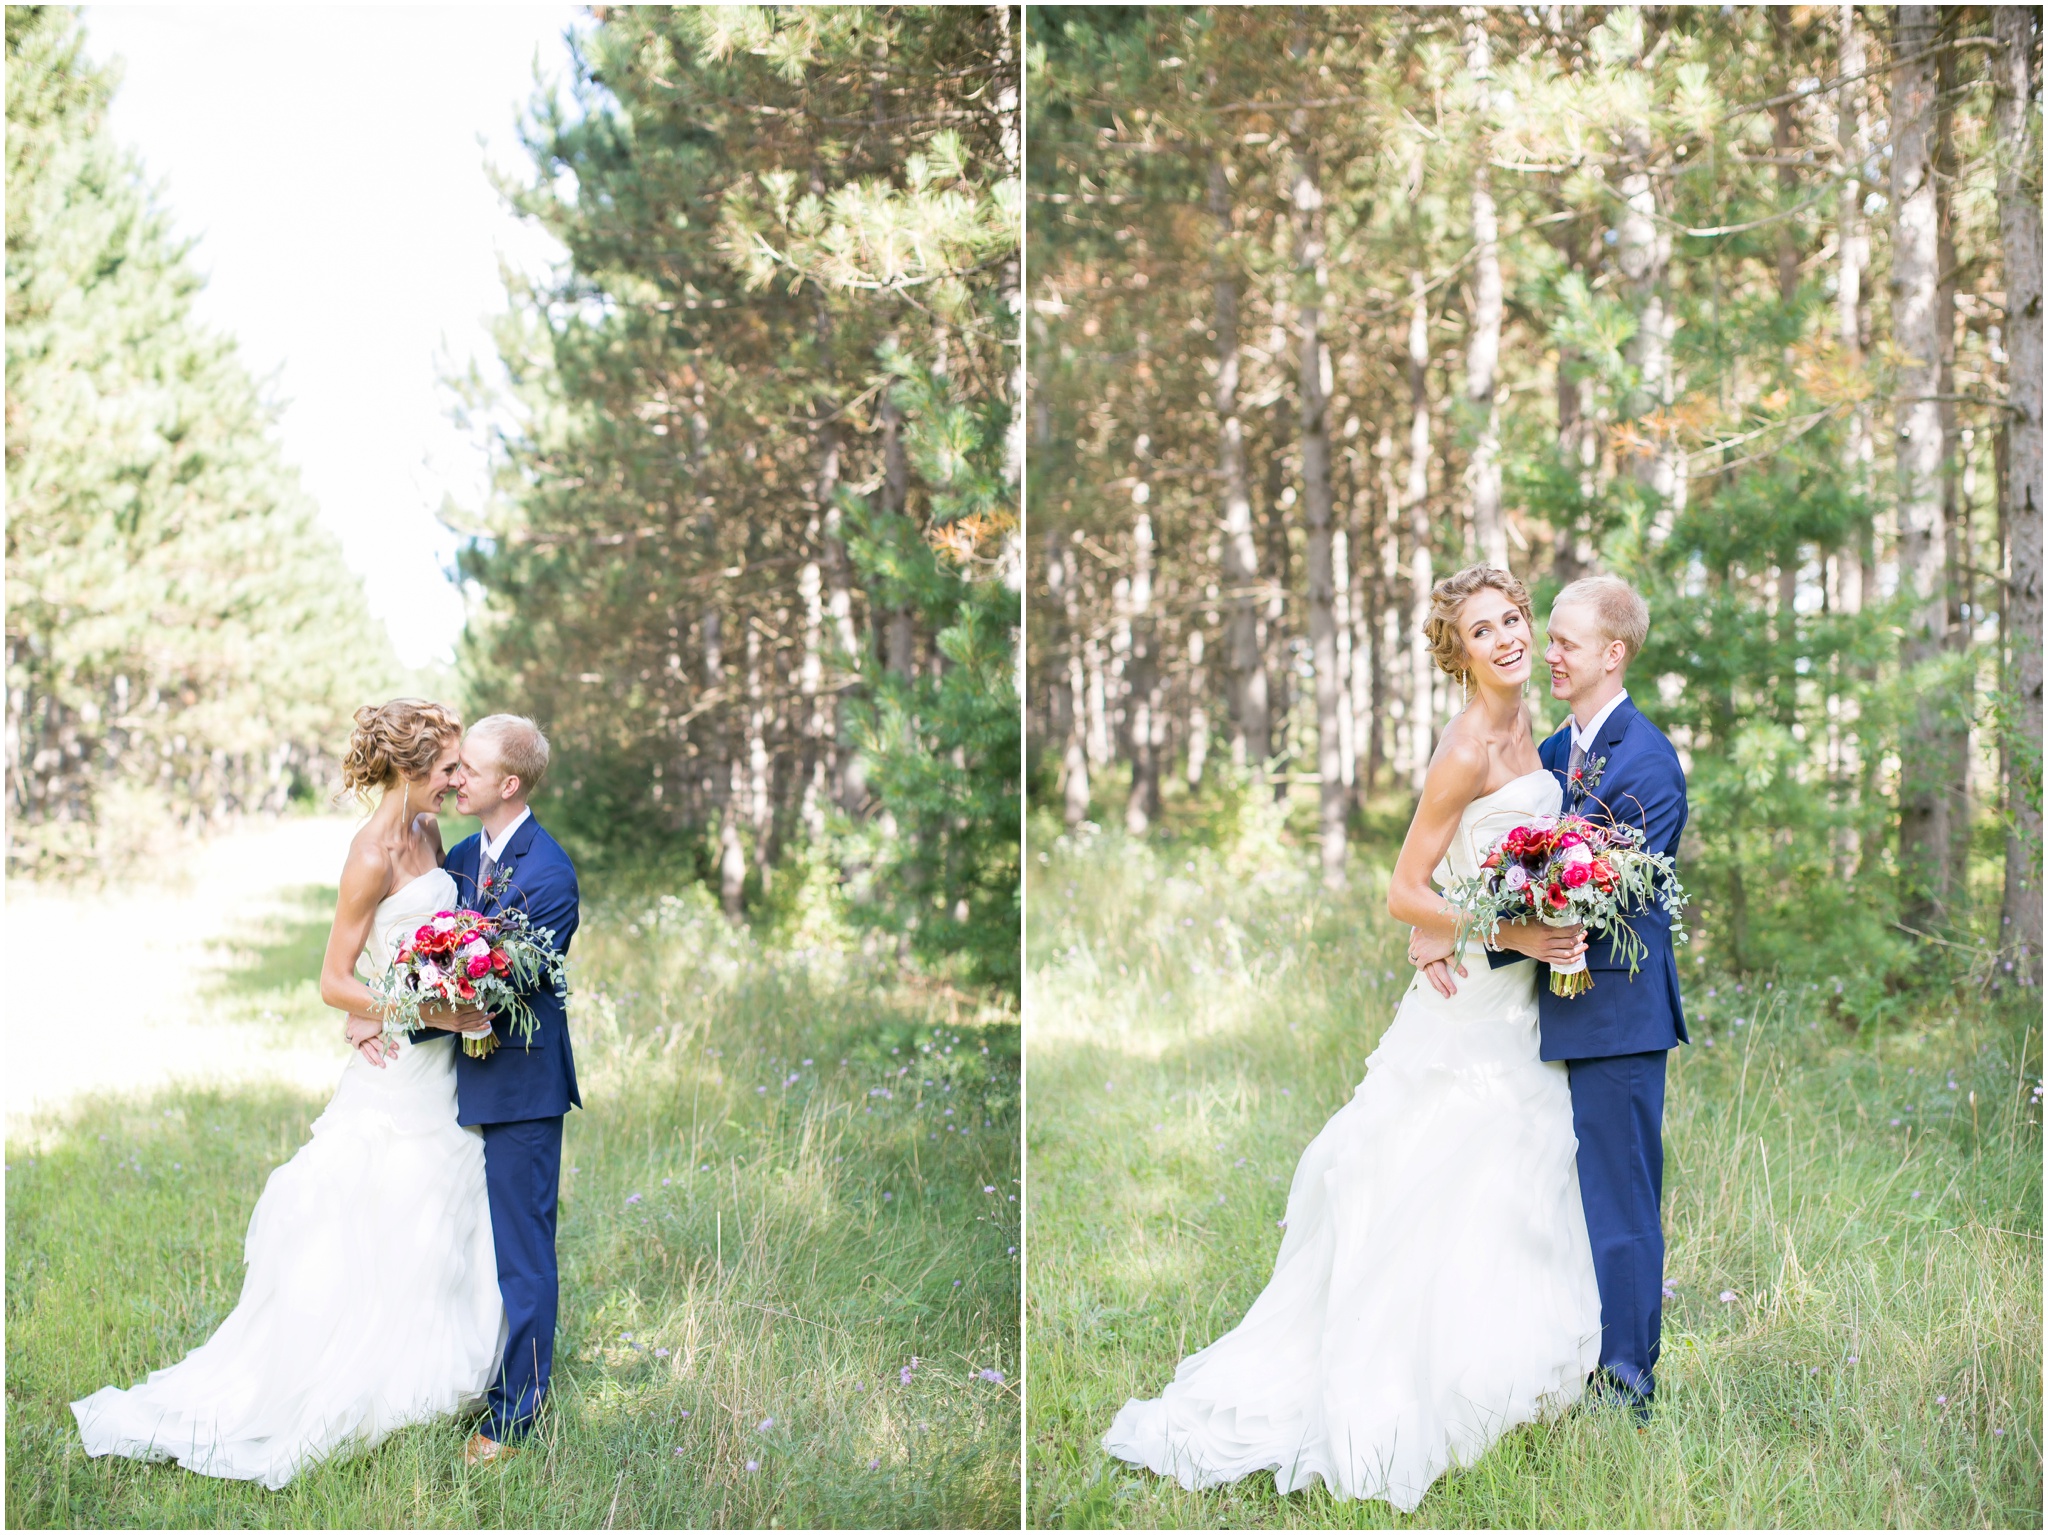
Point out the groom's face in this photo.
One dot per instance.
(1578, 654)
(480, 779)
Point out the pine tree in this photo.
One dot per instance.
(183, 640)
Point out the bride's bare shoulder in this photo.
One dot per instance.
(427, 826)
(367, 867)
(1459, 769)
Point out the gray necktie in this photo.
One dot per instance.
(486, 871)
(1578, 762)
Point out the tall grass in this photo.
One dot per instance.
(1854, 1223)
(791, 1196)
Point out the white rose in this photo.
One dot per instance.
(1578, 852)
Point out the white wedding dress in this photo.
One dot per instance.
(1435, 1285)
(371, 1299)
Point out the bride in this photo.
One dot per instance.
(385, 1203)
(1435, 1286)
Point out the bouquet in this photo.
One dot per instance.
(464, 956)
(1562, 870)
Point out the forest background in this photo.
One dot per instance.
(1332, 305)
(752, 561)
(1742, 304)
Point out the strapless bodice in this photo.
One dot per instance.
(400, 913)
(1491, 816)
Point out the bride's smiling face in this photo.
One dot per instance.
(1496, 636)
(440, 777)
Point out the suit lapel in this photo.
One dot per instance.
(1617, 723)
(462, 866)
(509, 881)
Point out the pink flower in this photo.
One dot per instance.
(424, 935)
(1576, 874)
(479, 967)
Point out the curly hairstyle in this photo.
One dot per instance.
(1447, 599)
(399, 740)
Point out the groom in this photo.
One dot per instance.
(1615, 766)
(519, 1094)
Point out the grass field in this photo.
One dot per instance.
(1854, 1240)
(792, 1196)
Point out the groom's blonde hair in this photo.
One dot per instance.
(521, 749)
(1617, 607)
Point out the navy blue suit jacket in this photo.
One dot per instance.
(1641, 783)
(536, 1080)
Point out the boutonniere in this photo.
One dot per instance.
(1587, 778)
(499, 882)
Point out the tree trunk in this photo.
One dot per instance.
(1280, 561)
(817, 757)
(1853, 260)
(1069, 707)
(2018, 29)
(1954, 809)
(1244, 647)
(1482, 350)
(1198, 706)
(1643, 251)
(1142, 670)
(1367, 690)
(837, 572)
(899, 637)
(1421, 721)
(760, 796)
(1917, 324)
(1312, 389)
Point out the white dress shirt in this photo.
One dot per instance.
(494, 847)
(1583, 739)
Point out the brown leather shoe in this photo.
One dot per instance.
(485, 1451)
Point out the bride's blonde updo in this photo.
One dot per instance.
(399, 740)
(1447, 600)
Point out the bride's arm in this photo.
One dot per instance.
(362, 886)
(1456, 778)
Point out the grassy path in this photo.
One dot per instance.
(789, 1232)
(195, 1006)
(1854, 1245)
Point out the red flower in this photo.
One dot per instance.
(501, 962)
(1603, 873)
(467, 991)
(1492, 860)
(479, 967)
(1576, 874)
(1557, 898)
(425, 936)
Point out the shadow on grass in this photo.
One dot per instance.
(286, 950)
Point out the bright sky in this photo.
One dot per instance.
(328, 159)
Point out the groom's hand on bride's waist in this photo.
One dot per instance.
(1552, 945)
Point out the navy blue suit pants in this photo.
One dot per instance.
(1618, 1114)
(523, 1171)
